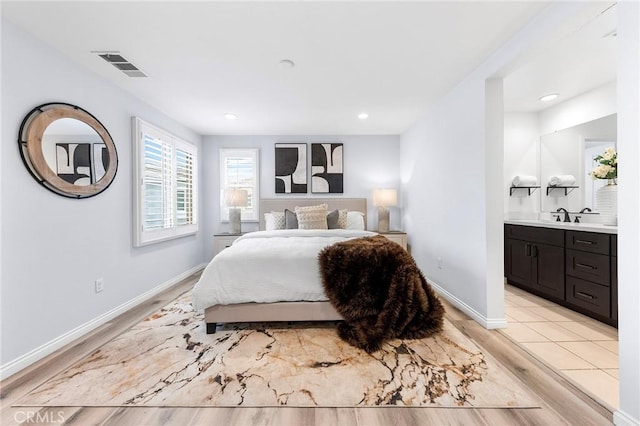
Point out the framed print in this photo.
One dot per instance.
(327, 170)
(291, 168)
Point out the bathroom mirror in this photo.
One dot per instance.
(67, 150)
(571, 152)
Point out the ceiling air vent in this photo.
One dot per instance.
(118, 61)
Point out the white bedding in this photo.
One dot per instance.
(269, 266)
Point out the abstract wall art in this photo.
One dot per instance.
(327, 169)
(291, 168)
(81, 163)
(73, 162)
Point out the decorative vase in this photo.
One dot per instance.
(607, 202)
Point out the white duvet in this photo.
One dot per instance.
(269, 266)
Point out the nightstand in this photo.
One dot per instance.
(397, 237)
(222, 241)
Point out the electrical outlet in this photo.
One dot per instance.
(439, 263)
(99, 285)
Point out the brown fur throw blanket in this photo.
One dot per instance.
(378, 289)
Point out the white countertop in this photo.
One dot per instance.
(571, 226)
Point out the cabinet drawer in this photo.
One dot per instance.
(554, 237)
(589, 266)
(594, 297)
(588, 241)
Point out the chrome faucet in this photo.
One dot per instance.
(566, 214)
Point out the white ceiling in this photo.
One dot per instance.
(390, 59)
(580, 57)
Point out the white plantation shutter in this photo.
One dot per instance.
(184, 187)
(157, 194)
(166, 185)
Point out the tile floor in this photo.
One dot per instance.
(581, 348)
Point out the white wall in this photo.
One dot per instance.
(443, 178)
(628, 211)
(590, 105)
(53, 248)
(369, 162)
(450, 205)
(521, 155)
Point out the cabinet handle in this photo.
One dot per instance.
(584, 242)
(582, 265)
(535, 251)
(588, 296)
(527, 249)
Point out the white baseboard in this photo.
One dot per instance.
(48, 348)
(488, 323)
(620, 418)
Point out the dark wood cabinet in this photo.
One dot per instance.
(534, 259)
(614, 278)
(518, 264)
(589, 266)
(589, 275)
(550, 270)
(576, 269)
(593, 298)
(591, 242)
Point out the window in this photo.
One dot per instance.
(165, 187)
(239, 168)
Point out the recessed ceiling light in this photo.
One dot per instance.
(287, 64)
(363, 116)
(549, 97)
(230, 116)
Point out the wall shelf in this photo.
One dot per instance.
(567, 189)
(530, 189)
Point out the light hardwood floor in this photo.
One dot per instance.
(562, 403)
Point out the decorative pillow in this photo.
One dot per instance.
(274, 221)
(342, 219)
(355, 220)
(337, 219)
(269, 224)
(317, 207)
(290, 220)
(312, 218)
(332, 219)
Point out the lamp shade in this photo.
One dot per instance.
(385, 197)
(235, 197)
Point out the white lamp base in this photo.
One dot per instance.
(234, 221)
(383, 219)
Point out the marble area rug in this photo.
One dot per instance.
(168, 360)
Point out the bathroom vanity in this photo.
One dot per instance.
(574, 265)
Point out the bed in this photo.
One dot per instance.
(250, 254)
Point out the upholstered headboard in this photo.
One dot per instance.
(279, 204)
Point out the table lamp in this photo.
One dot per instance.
(383, 199)
(235, 199)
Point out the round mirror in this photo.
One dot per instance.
(68, 150)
